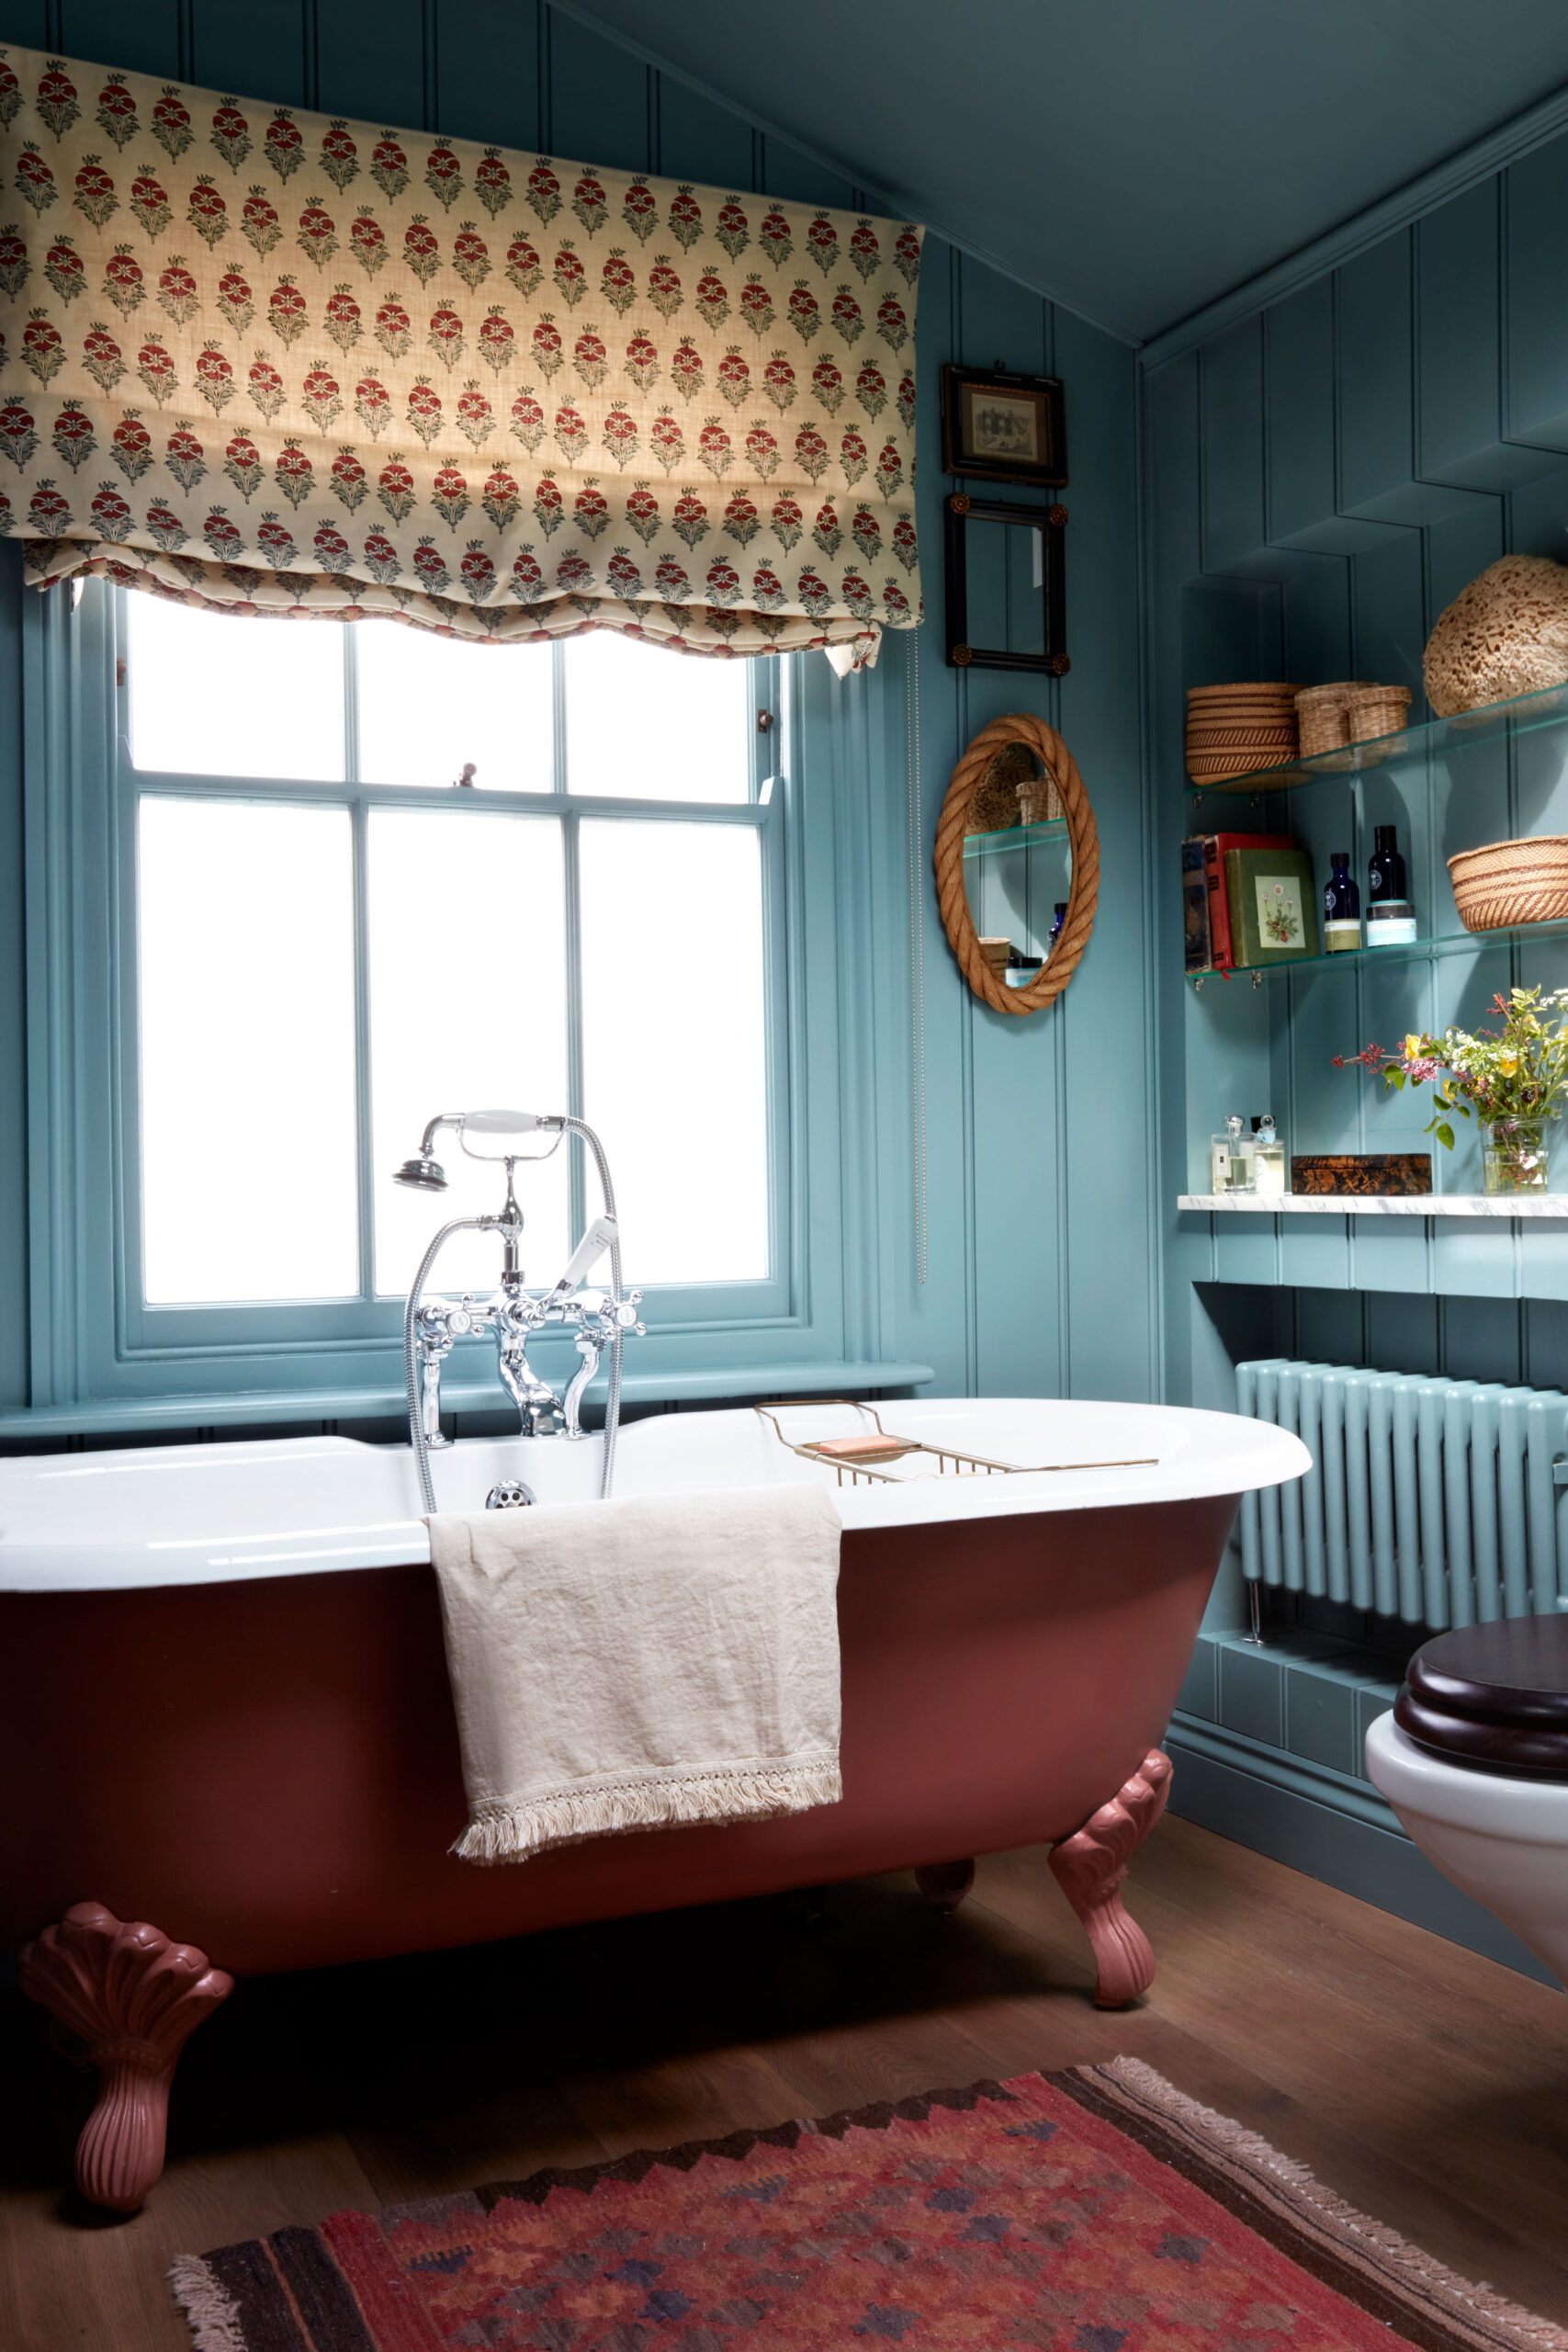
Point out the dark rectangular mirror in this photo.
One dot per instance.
(1004, 585)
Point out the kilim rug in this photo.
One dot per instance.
(1096, 2210)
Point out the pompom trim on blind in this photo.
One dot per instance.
(278, 362)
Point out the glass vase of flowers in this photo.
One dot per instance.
(1511, 1080)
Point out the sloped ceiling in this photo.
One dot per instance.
(1134, 158)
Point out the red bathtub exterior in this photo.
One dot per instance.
(269, 1769)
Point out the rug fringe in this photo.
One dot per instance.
(205, 2303)
(1399, 2259)
(511, 1833)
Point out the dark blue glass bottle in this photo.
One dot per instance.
(1056, 926)
(1341, 900)
(1385, 874)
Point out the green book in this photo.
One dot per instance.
(1273, 905)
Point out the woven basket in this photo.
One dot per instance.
(1322, 717)
(1510, 882)
(1377, 710)
(1039, 802)
(994, 805)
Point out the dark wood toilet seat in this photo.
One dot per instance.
(1493, 1696)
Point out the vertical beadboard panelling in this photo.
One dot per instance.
(936, 1316)
(1298, 343)
(1108, 1021)
(599, 98)
(258, 50)
(1017, 1093)
(1376, 383)
(144, 40)
(1231, 393)
(701, 139)
(12, 976)
(1459, 357)
(487, 70)
(1536, 297)
(378, 80)
(27, 22)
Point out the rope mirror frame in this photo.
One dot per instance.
(1083, 836)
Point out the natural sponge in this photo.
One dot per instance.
(1506, 634)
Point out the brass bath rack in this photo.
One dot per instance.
(861, 1455)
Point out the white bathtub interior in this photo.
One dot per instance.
(185, 1514)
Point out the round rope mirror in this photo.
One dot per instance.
(988, 771)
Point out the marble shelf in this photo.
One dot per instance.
(1499, 1206)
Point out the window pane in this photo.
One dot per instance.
(229, 694)
(429, 703)
(673, 1043)
(248, 1126)
(643, 723)
(468, 1012)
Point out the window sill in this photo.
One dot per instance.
(255, 1407)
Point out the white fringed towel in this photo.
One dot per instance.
(639, 1663)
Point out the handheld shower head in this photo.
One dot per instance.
(423, 1174)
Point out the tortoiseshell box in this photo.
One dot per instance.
(1351, 1172)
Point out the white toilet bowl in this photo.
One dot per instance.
(1501, 1837)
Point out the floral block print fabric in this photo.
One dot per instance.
(275, 361)
(1092, 2212)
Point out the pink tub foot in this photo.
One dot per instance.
(1090, 1866)
(132, 1998)
(945, 1885)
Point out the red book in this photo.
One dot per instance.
(1214, 848)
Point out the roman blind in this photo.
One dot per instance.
(279, 362)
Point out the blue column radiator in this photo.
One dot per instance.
(1439, 1502)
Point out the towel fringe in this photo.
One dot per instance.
(207, 2304)
(513, 1833)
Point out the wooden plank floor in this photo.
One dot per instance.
(1428, 2086)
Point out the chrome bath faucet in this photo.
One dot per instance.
(512, 1314)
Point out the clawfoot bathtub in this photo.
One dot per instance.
(228, 1744)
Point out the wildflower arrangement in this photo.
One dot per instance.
(1504, 1078)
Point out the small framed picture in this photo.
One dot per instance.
(1002, 427)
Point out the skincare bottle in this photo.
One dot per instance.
(1268, 1156)
(1230, 1159)
(1341, 907)
(1385, 874)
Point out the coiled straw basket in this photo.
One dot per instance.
(1512, 882)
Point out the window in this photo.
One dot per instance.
(325, 939)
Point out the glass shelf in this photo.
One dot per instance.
(1445, 943)
(1013, 837)
(1495, 722)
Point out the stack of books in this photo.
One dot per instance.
(1247, 900)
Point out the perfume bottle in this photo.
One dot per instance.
(1230, 1159)
(1268, 1156)
(1056, 925)
(1385, 874)
(1341, 907)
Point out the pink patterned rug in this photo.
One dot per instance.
(1095, 2210)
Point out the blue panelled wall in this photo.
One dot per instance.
(1018, 1236)
(1325, 465)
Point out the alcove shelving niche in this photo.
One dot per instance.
(1266, 1038)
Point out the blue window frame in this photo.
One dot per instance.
(96, 1336)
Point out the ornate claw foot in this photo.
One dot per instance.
(945, 1885)
(1090, 1866)
(132, 1998)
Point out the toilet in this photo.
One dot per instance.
(1473, 1758)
